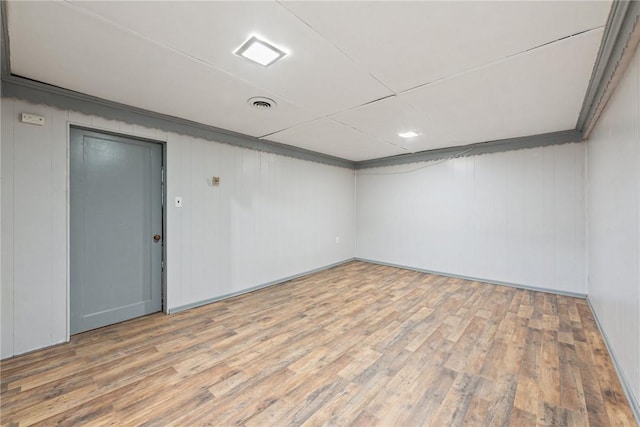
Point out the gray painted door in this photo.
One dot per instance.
(115, 217)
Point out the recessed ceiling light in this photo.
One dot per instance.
(260, 51)
(409, 134)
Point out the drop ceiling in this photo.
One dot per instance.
(357, 73)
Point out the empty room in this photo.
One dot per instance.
(347, 213)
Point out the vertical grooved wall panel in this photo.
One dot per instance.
(515, 217)
(613, 164)
(6, 253)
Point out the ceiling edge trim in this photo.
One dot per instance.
(540, 140)
(41, 93)
(619, 29)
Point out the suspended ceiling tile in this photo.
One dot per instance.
(330, 137)
(536, 92)
(56, 44)
(388, 117)
(407, 44)
(315, 75)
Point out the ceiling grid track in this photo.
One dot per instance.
(480, 67)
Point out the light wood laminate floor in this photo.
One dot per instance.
(359, 344)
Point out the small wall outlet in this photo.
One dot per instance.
(32, 119)
(215, 181)
(178, 201)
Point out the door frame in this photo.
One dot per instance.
(163, 143)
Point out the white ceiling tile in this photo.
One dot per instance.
(407, 44)
(64, 47)
(315, 75)
(539, 91)
(388, 117)
(330, 137)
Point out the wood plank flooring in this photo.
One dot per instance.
(358, 345)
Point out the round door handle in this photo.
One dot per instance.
(157, 237)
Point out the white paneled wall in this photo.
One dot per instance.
(34, 224)
(613, 163)
(6, 296)
(272, 217)
(515, 217)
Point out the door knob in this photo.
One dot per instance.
(157, 237)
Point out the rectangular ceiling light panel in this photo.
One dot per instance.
(259, 51)
(408, 134)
